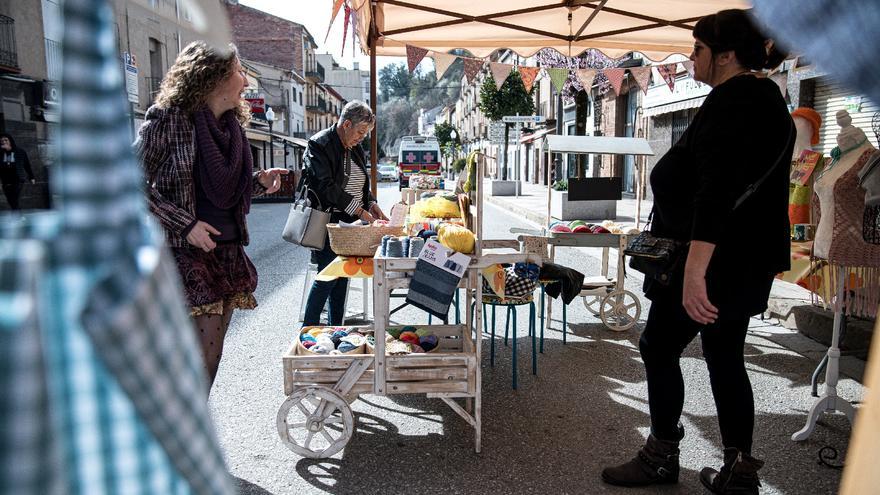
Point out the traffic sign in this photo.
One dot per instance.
(523, 119)
(131, 76)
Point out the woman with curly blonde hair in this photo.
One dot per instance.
(200, 181)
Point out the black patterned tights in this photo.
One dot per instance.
(212, 331)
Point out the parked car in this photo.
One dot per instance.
(388, 172)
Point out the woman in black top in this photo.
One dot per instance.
(736, 137)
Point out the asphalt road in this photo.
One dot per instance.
(586, 409)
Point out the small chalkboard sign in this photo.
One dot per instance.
(595, 188)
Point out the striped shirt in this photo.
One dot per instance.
(355, 185)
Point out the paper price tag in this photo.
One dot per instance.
(804, 166)
(441, 257)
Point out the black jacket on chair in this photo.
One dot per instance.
(324, 174)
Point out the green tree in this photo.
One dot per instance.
(443, 133)
(394, 81)
(511, 99)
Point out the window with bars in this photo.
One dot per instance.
(680, 122)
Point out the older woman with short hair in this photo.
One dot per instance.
(335, 171)
(200, 181)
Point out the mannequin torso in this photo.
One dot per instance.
(841, 202)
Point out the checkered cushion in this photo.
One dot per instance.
(520, 280)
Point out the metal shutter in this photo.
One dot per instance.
(831, 97)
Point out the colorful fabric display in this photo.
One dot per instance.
(347, 267)
(493, 280)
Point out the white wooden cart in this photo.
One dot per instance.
(618, 308)
(316, 420)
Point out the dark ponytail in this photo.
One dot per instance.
(733, 30)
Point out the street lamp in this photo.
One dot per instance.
(270, 117)
(452, 136)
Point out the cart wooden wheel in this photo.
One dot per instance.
(593, 304)
(315, 422)
(620, 310)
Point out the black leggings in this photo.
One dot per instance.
(667, 333)
(12, 190)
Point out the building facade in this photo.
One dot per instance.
(352, 84)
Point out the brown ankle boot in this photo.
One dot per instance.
(738, 475)
(655, 463)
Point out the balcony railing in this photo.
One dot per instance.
(8, 51)
(316, 75)
(317, 106)
(53, 59)
(302, 135)
(153, 84)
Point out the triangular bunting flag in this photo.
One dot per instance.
(586, 77)
(500, 73)
(414, 55)
(472, 67)
(442, 61)
(528, 75)
(667, 72)
(336, 5)
(688, 67)
(558, 76)
(615, 77)
(642, 75)
(345, 29)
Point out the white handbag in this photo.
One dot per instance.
(306, 226)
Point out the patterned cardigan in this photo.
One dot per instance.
(166, 148)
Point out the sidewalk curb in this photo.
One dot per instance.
(516, 209)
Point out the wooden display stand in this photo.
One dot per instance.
(320, 387)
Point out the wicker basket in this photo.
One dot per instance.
(359, 241)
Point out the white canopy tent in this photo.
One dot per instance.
(600, 145)
(655, 28)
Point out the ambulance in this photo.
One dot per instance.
(418, 155)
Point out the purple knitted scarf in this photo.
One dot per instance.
(224, 164)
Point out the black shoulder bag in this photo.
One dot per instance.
(661, 258)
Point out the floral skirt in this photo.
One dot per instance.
(223, 277)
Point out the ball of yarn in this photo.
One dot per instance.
(429, 342)
(395, 331)
(309, 343)
(346, 347)
(354, 340)
(421, 332)
(398, 347)
(306, 337)
(355, 333)
(340, 333)
(371, 340)
(409, 337)
(314, 332)
(325, 340)
(321, 349)
(334, 352)
(427, 234)
(417, 349)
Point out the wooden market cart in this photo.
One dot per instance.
(603, 296)
(316, 420)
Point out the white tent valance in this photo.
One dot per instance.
(656, 28)
(603, 145)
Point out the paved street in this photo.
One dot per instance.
(587, 407)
